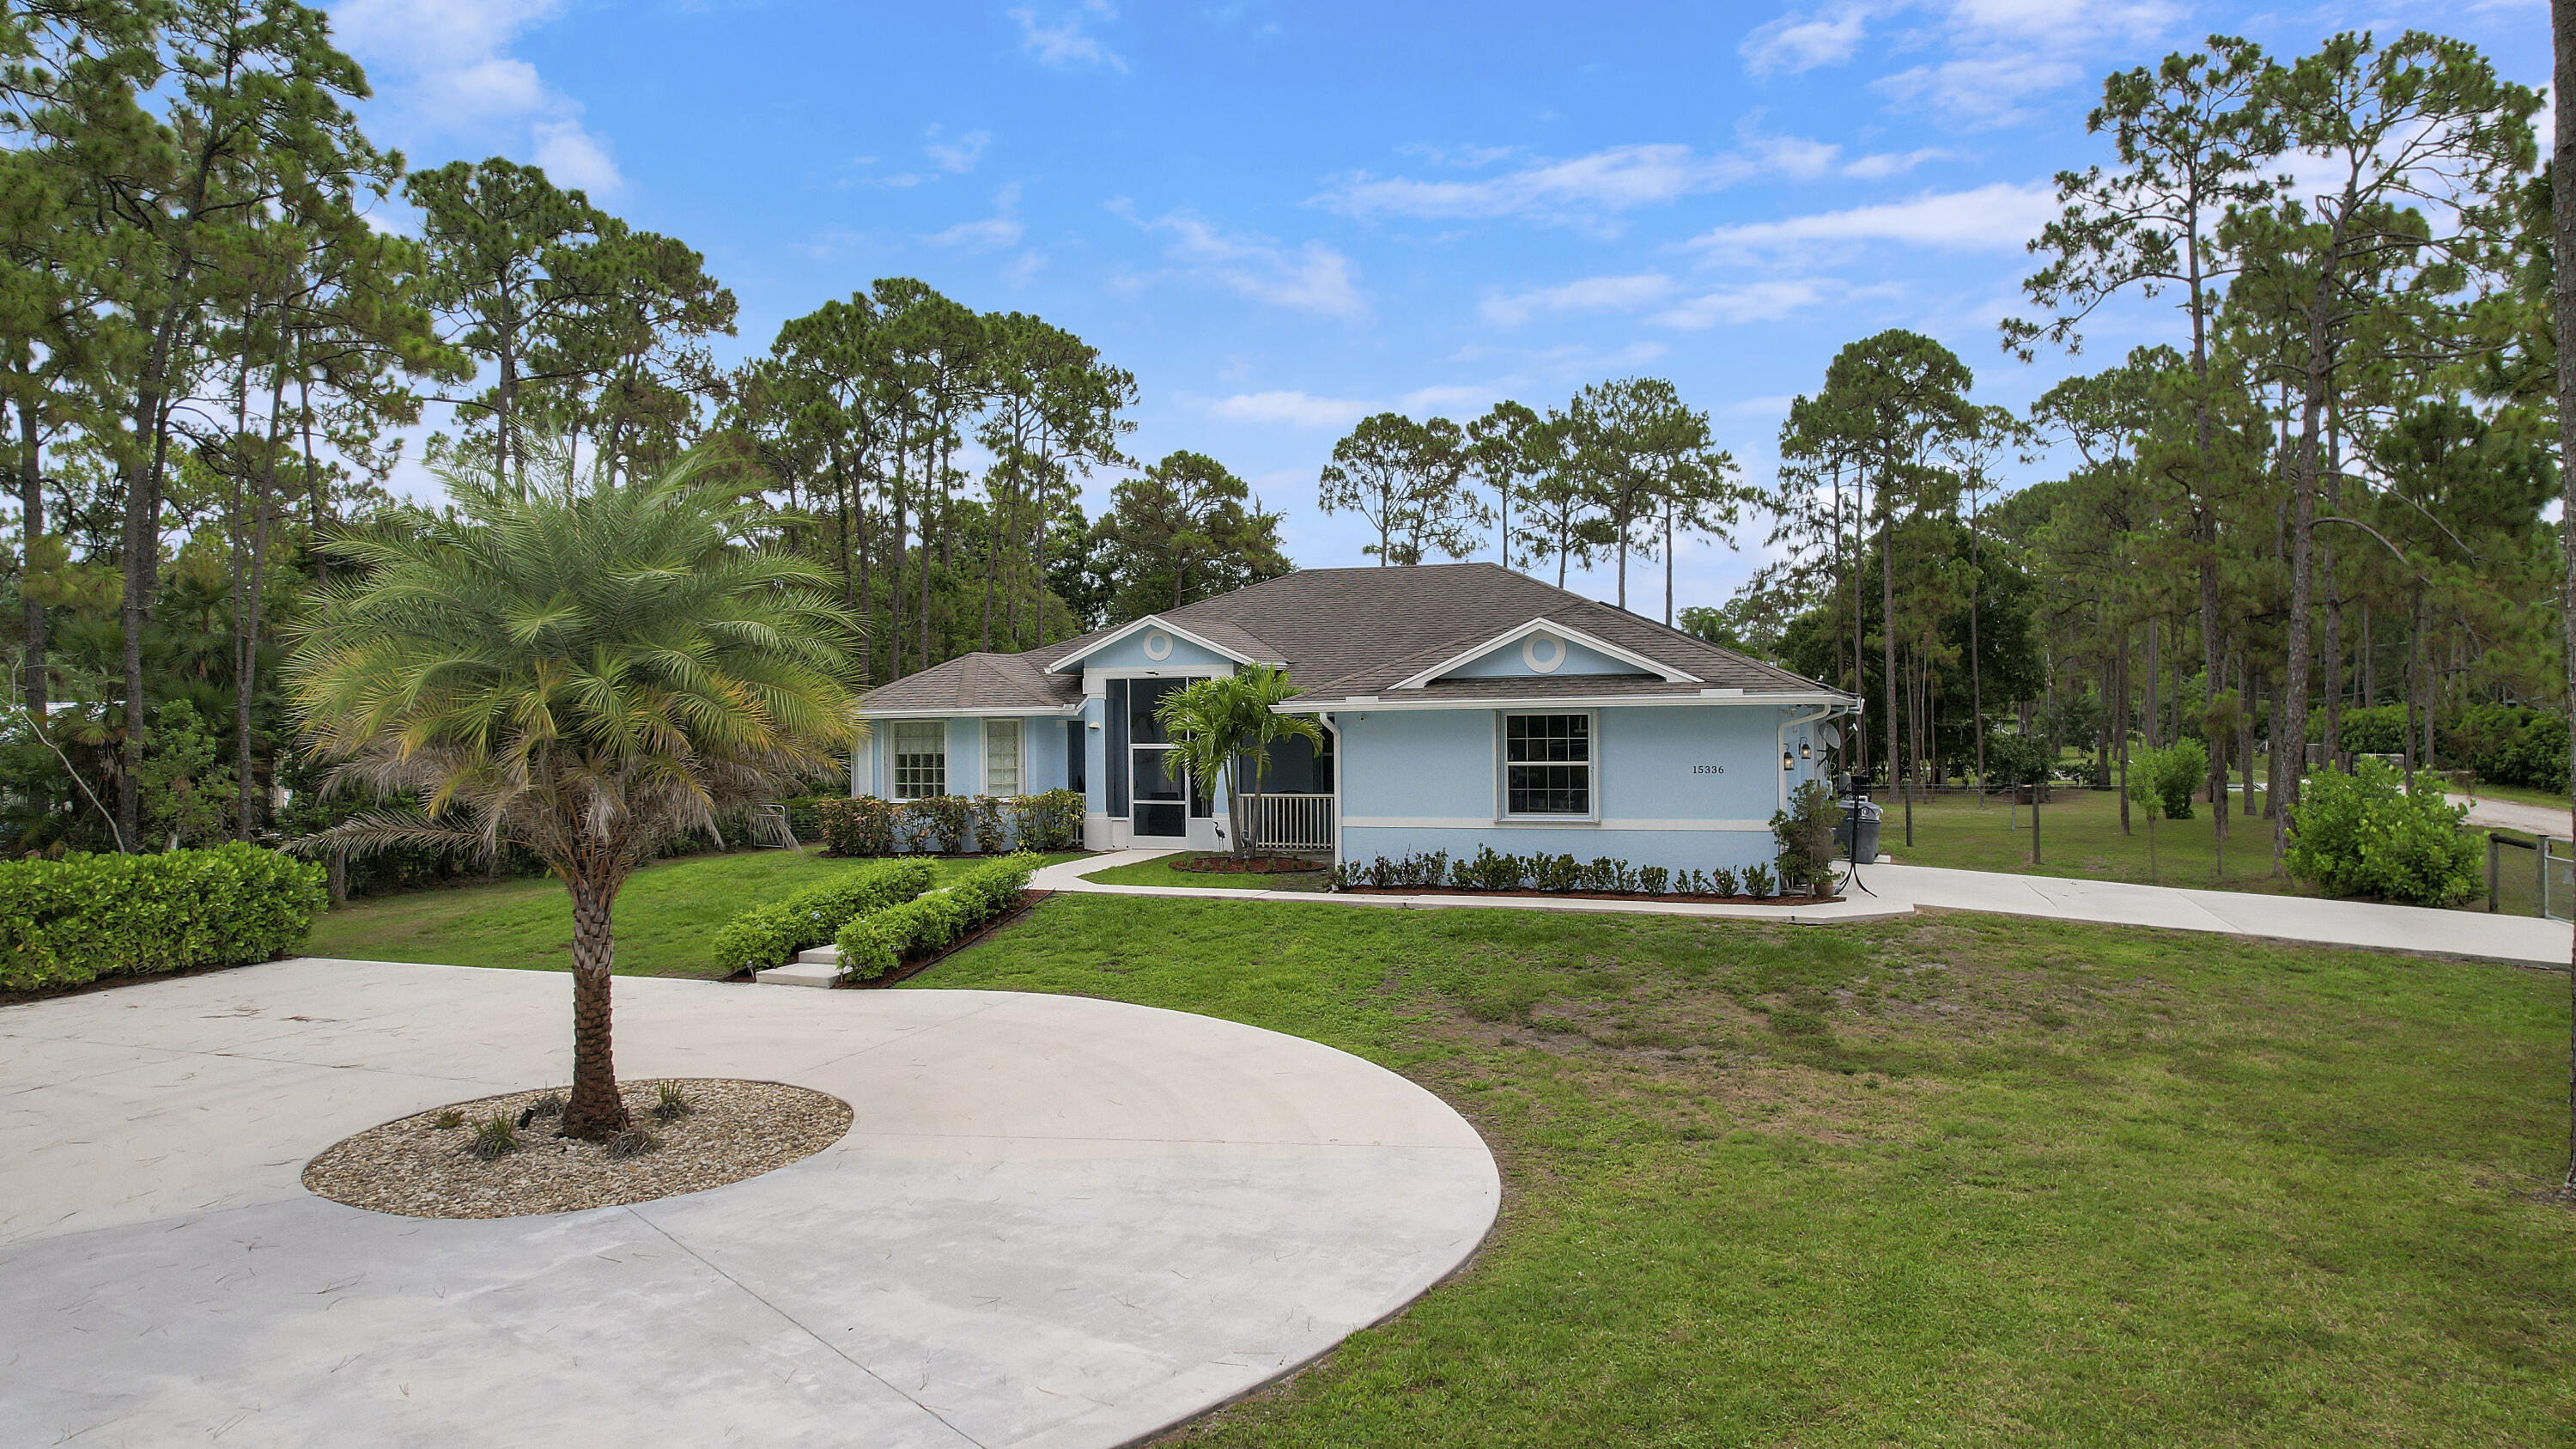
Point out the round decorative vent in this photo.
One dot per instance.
(1543, 653)
(1158, 645)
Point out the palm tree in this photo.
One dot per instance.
(581, 668)
(1218, 725)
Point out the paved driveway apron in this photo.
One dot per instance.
(1056, 1221)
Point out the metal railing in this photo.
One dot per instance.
(1293, 822)
(2545, 886)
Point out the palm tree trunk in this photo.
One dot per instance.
(596, 1110)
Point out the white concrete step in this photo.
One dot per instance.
(802, 973)
(820, 956)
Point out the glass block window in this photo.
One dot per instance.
(1547, 764)
(1001, 757)
(920, 758)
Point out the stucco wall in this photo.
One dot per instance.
(1041, 756)
(1690, 787)
(1129, 653)
(1512, 662)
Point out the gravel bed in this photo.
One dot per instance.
(736, 1129)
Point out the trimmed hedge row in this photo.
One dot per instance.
(65, 922)
(874, 944)
(948, 824)
(770, 935)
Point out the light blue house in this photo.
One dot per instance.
(1462, 705)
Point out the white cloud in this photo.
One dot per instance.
(1999, 217)
(1311, 277)
(1758, 302)
(1590, 294)
(1585, 190)
(442, 68)
(1064, 44)
(1878, 166)
(961, 154)
(572, 156)
(993, 233)
(1295, 409)
(1796, 43)
(1024, 268)
(1448, 401)
(1981, 91)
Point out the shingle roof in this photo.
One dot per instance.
(1360, 631)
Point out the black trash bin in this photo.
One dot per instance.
(1863, 815)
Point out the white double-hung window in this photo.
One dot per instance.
(920, 758)
(1001, 757)
(1548, 765)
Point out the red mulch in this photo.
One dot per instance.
(1361, 890)
(1247, 864)
(908, 969)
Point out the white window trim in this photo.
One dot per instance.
(1503, 814)
(1020, 767)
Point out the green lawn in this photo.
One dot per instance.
(2522, 796)
(2079, 835)
(1956, 1180)
(1159, 872)
(665, 916)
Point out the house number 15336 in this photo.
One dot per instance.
(1708, 769)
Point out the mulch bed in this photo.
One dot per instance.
(1668, 898)
(1247, 864)
(909, 969)
(416, 1168)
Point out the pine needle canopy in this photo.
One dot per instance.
(582, 667)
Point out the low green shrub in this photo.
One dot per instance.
(65, 922)
(1048, 821)
(934, 824)
(1805, 832)
(876, 943)
(1758, 883)
(768, 935)
(863, 825)
(2361, 834)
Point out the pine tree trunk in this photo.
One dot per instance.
(31, 521)
(596, 1109)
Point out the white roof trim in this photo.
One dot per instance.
(1782, 699)
(963, 711)
(1566, 632)
(1155, 621)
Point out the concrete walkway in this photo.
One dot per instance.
(1893, 891)
(2515, 815)
(1056, 1222)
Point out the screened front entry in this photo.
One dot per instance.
(1151, 791)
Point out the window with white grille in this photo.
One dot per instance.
(1547, 764)
(920, 758)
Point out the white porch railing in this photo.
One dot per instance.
(1294, 822)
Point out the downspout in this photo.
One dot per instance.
(1340, 765)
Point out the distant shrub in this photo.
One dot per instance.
(1491, 871)
(2361, 834)
(876, 943)
(1758, 883)
(767, 935)
(2509, 744)
(68, 921)
(1654, 880)
(1723, 883)
(2164, 778)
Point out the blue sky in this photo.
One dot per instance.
(1282, 217)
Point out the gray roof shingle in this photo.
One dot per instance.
(1360, 631)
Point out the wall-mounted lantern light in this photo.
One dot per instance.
(1787, 761)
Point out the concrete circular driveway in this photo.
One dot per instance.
(1055, 1221)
